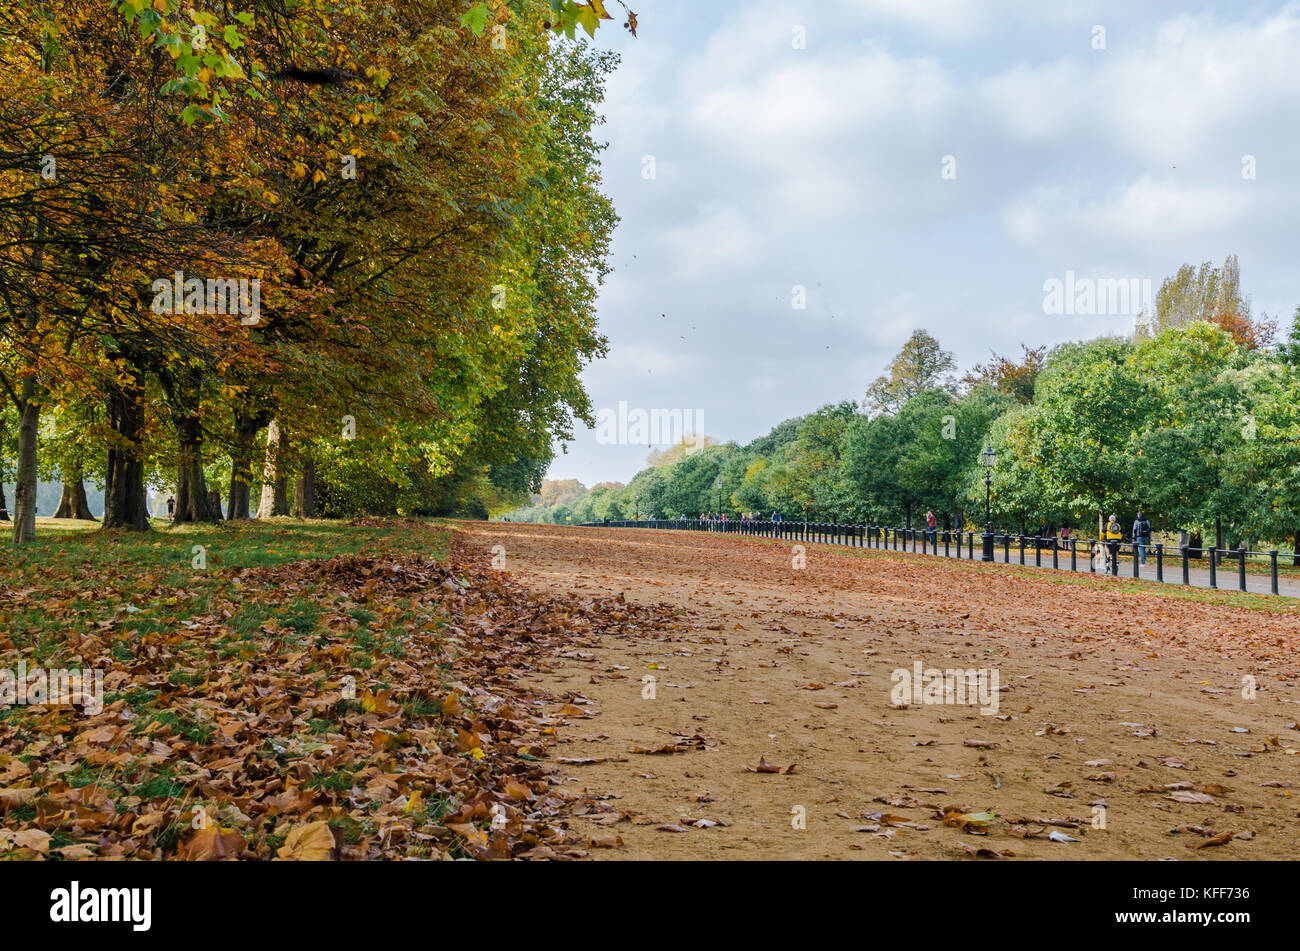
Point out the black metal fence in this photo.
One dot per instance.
(1099, 556)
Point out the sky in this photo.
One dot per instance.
(918, 164)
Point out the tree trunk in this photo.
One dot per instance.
(193, 501)
(241, 463)
(72, 500)
(29, 417)
(4, 508)
(275, 483)
(304, 492)
(124, 495)
(1218, 533)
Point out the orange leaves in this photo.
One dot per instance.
(238, 735)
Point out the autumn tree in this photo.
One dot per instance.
(921, 365)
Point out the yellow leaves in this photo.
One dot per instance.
(380, 703)
(318, 177)
(313, 842)
(34, 839)
(148, 823)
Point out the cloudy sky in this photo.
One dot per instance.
(823, 167)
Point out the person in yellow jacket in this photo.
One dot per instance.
(1113, 535)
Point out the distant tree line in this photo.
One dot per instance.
(1195, 420)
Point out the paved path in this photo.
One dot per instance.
(1226, 574)
(1198, 577)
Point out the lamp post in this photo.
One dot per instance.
(717, 484)
(987, 458)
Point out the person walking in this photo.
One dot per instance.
(1113, 536)
(931, 526)
(1142, 535)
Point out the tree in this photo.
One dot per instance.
(921, 365)
(1007, 376)
(1212, 295)
(1080, 434)
(1184, 455)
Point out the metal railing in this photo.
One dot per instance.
(1101, 556)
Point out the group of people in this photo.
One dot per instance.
(717, 518)
(1113, 535)
(1141, 536)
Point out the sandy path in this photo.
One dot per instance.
(1109, 695)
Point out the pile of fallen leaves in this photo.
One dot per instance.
(379, 711)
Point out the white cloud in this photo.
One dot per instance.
(822, 167)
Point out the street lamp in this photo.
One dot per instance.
(717, 484)
(987, 458)
(636, 502)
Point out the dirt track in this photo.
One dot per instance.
(1113, 698)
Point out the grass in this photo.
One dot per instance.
(127, 568)
(143, 598)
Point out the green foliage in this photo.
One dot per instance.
(1191, 426)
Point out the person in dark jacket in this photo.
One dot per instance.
(1142, 535)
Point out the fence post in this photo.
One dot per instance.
(1160, 562)
(1092, 559)
(1135, 561)
(1272, 557)
(1006, 548)
(1214, 578)
(1038, 551)
(1241, 568)
(1186, 576)
(1022, 549)
(1074, 555)
(970, 551)
(1056, 555)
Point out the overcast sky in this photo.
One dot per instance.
(824, 167)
